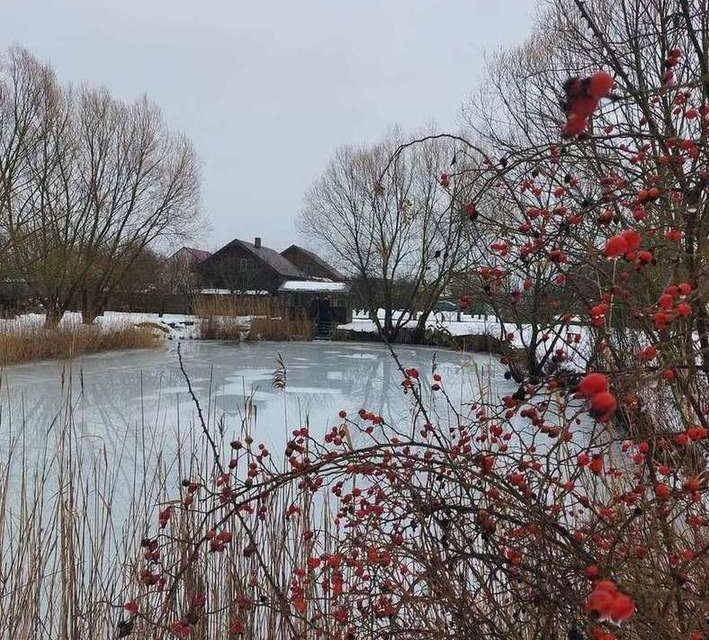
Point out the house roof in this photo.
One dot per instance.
(272, 258)
(315, 258)
(198, 254)
(314, 286)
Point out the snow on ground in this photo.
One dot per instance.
(182, 326)
(174, 325)
(575, 338)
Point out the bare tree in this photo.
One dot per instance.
(90, 182)
(388, 220)
(179, 274)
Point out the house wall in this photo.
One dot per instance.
(238, 269)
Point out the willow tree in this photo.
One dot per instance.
(88, 183)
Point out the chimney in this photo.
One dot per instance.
(257, 243)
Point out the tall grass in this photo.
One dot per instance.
(253, 317)
(229, 317)
(281, 329)
(26, 342)
(72, 523)
(236, 306)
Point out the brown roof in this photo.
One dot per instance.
(198, 254)
(317, 259)
(272, 258)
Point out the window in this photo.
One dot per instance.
(244, 264)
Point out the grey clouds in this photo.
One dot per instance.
(267, 90)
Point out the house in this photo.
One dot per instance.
(190, 254)
(325, 302)
(246, 266)
(312, 265)
(180, 271)
(301, 280)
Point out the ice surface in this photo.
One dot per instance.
(117, 396)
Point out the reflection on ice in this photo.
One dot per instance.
(115, 397)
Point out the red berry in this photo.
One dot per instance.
(662, 491)
(592, 383)
(622, 608)
(632, 238)
(603, 405)
(665, 301)
(600, 84)
(683, 309)
(615, 247)
(596, 465)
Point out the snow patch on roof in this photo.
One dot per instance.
(315, 286)
(230, 292)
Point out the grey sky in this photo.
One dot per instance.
(267, 89)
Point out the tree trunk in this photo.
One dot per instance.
(53, 316)
(89, 314)
(90, 309)
(388, 323)
(420, 330)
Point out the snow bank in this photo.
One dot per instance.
(574, 339)
(174, 325)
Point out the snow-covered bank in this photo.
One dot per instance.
(574, 337)
(173, 325)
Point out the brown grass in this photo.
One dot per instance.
(281, 329)
(257, 317)
(29, 342)
(71, 523)
(231, 306)
(222, 328)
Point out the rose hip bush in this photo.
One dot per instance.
(573, 505)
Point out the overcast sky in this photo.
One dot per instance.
(268, 89)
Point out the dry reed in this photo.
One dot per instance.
(28, 342)
(236, 306)
(72, 521)
(281, 329)
(253, 317)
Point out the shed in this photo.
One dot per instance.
(327, 303)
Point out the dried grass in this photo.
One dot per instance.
(253, 317)
(72, 520)
(27, 342)
(236, 306)
(281, 329)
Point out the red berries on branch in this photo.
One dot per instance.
(592, 384)
(581, 100)
(594, 387)
(608, 603)
(470, 211)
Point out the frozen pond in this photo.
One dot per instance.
(115, 397)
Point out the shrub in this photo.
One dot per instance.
(573, 506)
